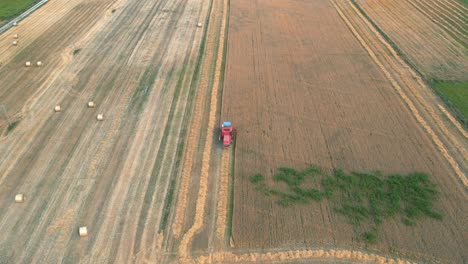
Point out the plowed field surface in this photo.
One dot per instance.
(309, 82)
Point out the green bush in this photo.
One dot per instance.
(360, 197)
(257, 178)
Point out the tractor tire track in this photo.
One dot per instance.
(298, 255)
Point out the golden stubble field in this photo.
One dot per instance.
(136, 61)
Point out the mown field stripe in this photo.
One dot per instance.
(131, 106)
(449, 9)
(227, 155)
(454, 34)
(202, 192)
(161, 152)
(195, 126)
(230, 212)
(183, 134)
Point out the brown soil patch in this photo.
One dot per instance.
(303, 94)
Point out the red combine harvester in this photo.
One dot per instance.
(227, 133)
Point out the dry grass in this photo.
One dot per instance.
(320, 254)
(195, 128)
(365, 199)
(223, 194)
(202, 192)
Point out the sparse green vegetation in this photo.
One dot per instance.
(363, 198)
(455, 94)
(76, 51)
(12, 126)
(167, 205)
(465, 2)
(12, 8)
(370, 237)
(257, 178)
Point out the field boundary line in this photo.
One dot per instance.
(453, 119)
(304, 254)
(405, 98)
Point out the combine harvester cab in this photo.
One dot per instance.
(226, 133)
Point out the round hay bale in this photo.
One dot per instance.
(39, 63)
(28, 64)
(15, 36)
(57, 108)
(19, 198)
(83, 231)
(199, 25)
(91, 104)
(100, 117)
(15, 43)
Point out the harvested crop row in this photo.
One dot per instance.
(449, 12)
(459, 7)
(441, 21)
(202, 192)
(195, 127)
(223, 193)
(297, 255)
(434, 52)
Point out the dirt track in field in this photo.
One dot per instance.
(335, 95)
(135, 60)
(431, 33)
